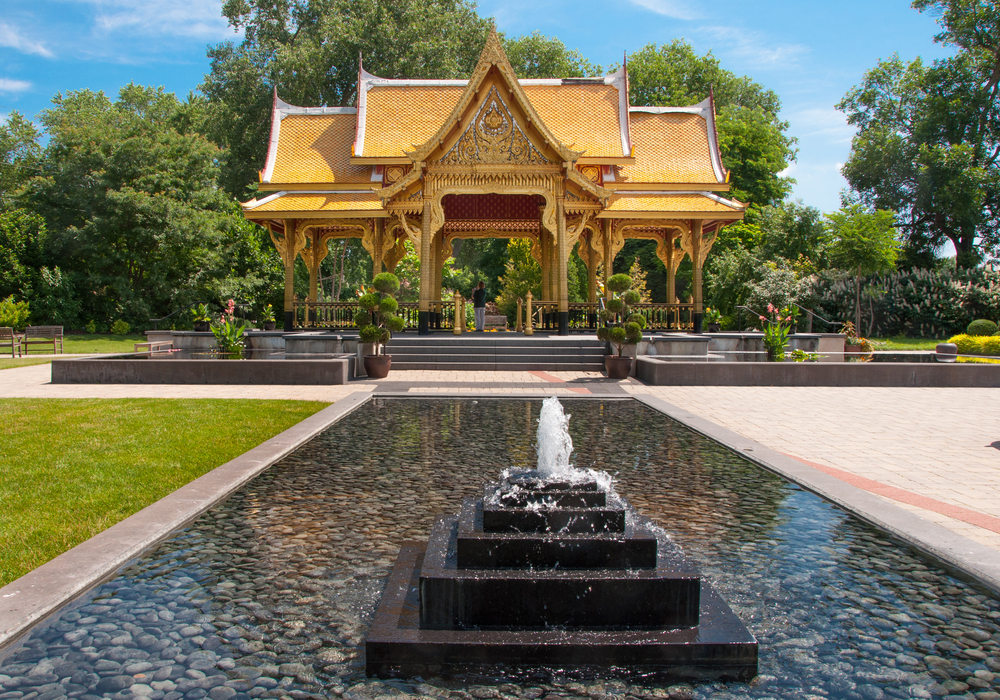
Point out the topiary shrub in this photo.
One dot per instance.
(377, 320)
(121, 327)
(623, 327)
(982, 326)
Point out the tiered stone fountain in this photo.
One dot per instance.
(552, 570)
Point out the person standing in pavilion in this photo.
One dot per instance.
(479, 306)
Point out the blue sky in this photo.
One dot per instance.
(809, 52)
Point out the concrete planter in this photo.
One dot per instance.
(617, 367)
(378, 366)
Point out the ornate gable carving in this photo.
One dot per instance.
(494, 138)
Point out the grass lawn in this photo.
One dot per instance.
(71, 468)
(101, 343)
(903, 343)
(9, 362)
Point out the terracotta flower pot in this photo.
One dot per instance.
(377, 366)
(617, 367)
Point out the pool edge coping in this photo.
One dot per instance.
(973, 559)
(46, 589)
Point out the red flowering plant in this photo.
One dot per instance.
(776, 327)
(229, 334)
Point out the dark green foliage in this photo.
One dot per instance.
(928, 136)
(982, 326)
(751, 136)
(376, 320)
(623, 327)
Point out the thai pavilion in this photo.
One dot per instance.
(554, 161)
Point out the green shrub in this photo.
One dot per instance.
(976, 344)
(91, 326)
(14, 314)
(120, 327)
(982, 326)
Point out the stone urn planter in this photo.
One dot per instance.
(617, 367)
(377, 366)
(269, 325)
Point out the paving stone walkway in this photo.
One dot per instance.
(932, 451)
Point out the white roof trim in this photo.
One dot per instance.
(620, 83)
(711, 195)
(286, 109)
(253, 204)
(704, 110)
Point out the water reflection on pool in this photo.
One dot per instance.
(270, 594)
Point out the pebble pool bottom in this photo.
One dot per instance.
(269, 594)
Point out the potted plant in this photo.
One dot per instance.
(377, 321)
(713, 317)
(201, 318)
(229, 335)
(267, 317)
(855, 349)
(776, 329)
(622, 327)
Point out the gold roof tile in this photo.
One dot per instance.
(317, 149)
(657, 202)
(584, 117)
(399, 117)
(314, 201)
(671, 147)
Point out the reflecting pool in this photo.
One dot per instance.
(270, 593)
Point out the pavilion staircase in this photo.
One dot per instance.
(497, 352)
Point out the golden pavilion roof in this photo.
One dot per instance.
(656, 162)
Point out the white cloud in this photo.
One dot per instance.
(12, 37)
(752, 48)
(10, 85)
(678, 9)
(190, 18)
(821, 121)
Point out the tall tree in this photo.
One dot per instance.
(128, 190)
(752, 138)
(309, 49)
(20, 153)
(538, 56)
(864, 242)
(928, 137)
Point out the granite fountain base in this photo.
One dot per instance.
(553, 576)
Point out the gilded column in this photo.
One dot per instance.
(426, 268)
(562, 262)
(696, 317)
(591, 278)
(378, 228)
(671, 272)
(289, 260)
(608, 262)
(436, 281)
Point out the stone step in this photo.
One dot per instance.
(500, 366)
(450, 351)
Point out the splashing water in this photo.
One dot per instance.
(554, 443)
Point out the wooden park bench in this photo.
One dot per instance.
(43, 335)
(499, 322)
(8, 338)
(154, 346)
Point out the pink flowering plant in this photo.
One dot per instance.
(228, 333)
(776, 326)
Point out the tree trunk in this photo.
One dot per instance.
(857, 302)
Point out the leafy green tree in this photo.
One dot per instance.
(864, 242)
(523, 273)
(128, 191)
(309, 49)
(928, 137)
(21, 251)
(538, 56)
(752, 138)
(20, 153)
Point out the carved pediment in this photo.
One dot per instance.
(494, 137)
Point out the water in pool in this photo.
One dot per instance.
(270, 593)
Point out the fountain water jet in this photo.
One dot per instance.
(553, 571)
